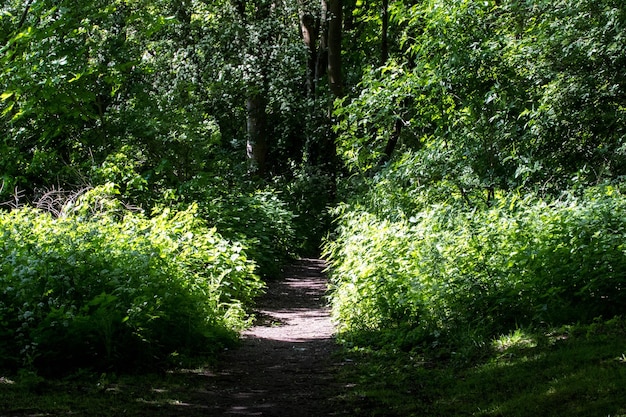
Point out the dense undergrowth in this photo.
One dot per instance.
(442, 295)
(106, 287)
(485, 201)
(131, 275)
(463, 301)
(260, 218)
(434, 272)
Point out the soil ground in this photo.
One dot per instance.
(284, 366)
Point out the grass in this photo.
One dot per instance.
(173, 393)
(574, 371)
(571, 371)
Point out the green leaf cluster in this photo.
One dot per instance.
(105, 287)
(456, 275)
(514, 93)
(257, 217)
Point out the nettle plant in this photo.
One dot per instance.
(102, 285)
(451, 271)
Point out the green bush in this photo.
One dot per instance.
(258, 218)
(309, 193)
(101, 286)
(452, 271)
(261, 220)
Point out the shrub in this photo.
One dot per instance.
(260, 219)
(102, 286)
(309, 194)
(452, 270)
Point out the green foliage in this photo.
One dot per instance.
(309, 195)
(262, 221)
(497, 108)
(102, 286)
(453, 273)
(151, 95)
(258, 218)
(574, 370)
(65, 67)
(504, 113)
(513, 93)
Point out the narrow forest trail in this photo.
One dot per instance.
(284, 366)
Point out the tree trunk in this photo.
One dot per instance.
(393, 139)
(384, 41)
(335, 81)
(256, 140)
(256, 103)
(321, 67)
(310, 29)
(335, 21)
(392, 142)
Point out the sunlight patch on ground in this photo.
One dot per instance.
(515, 340)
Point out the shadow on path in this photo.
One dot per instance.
(283, 367)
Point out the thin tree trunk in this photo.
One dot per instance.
(310, 29)
(335, 20)
(256, 141)
(321, 67)
(384, 41)
(392, 142)
(256, 103)
(335, 81)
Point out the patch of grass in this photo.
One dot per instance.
(173, 393)
(574, 371)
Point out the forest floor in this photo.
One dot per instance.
(284, 366)
(289, 365)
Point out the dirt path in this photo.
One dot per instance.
(284, 367)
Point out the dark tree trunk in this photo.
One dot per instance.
(384, 41)
(256, 141)
(310, 28)
(392, 142)
(335, 20)
(335, 81)
(321, 66)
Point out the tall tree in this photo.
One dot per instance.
(384, 32)
(310, 26)
(254, 16)
(335, 26)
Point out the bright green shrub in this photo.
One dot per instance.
(261, 220)
(103, 286)
(452, 270)
(371, 289)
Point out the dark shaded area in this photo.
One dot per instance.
(577, 370)
(283, 367)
